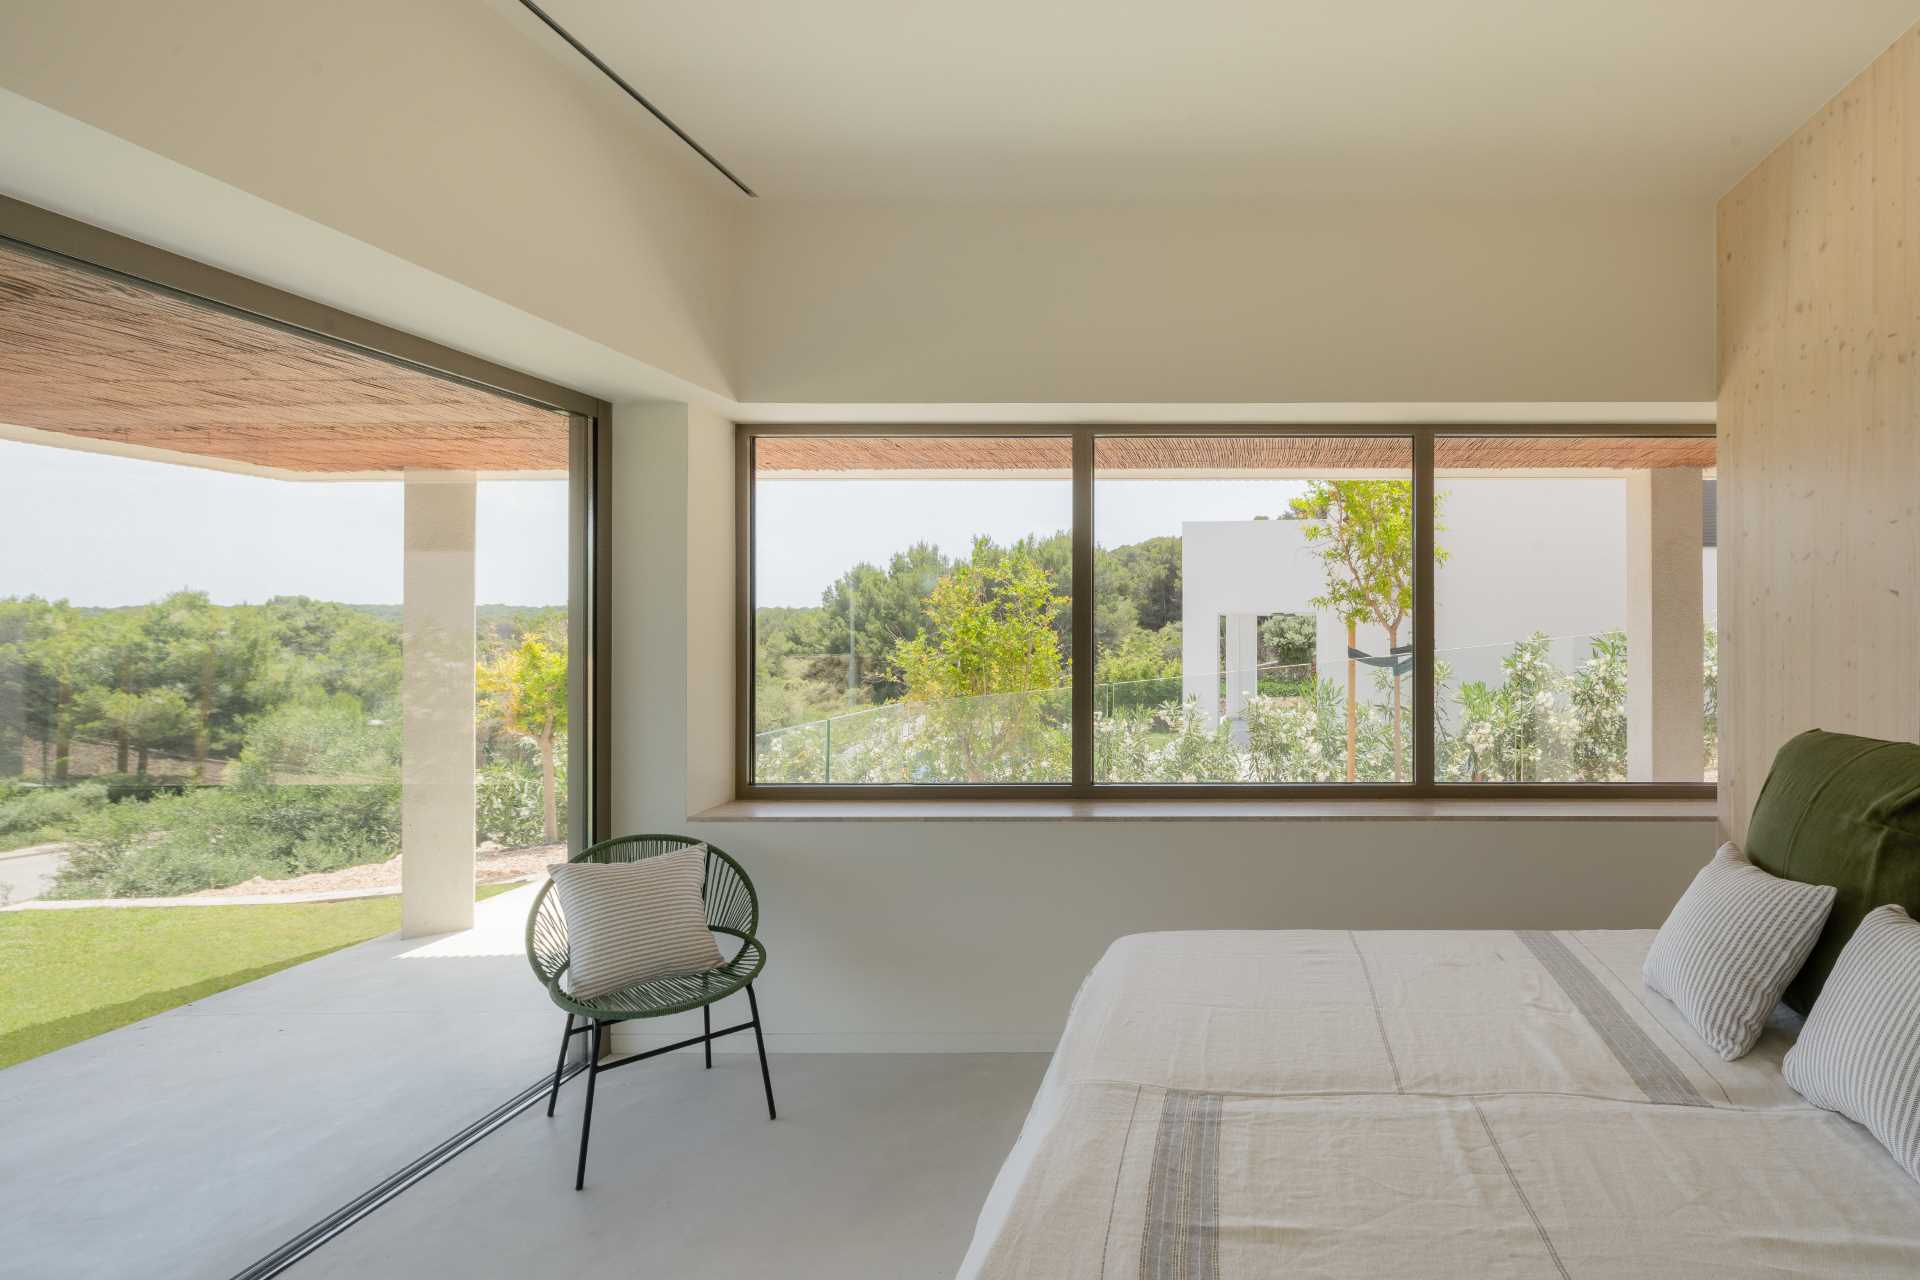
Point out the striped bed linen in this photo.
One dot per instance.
(1239, 1104)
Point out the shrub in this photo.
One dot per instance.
(507, 800)
(32, 815)
(211, 837)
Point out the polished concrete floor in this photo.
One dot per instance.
(195, 1141)
(877, 1167)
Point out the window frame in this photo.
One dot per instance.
(589, 451)
(1423, 786)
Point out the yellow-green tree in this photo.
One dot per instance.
(1363, 533)
(526, 687)
(989, 631)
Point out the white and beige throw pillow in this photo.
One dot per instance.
(1732, 944)
(1859, 1052)
(631, 922)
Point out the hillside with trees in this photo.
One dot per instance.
(184, 745)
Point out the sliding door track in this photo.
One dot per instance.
(390, 1187)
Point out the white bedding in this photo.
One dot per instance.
(1237, 1105)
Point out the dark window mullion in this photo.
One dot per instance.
(1425, 758)
(1083, 655)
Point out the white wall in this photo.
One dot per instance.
(1545, 553)
(1388, 301)
(929, 936)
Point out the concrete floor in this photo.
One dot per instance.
(877, 1167)
(192, 1143)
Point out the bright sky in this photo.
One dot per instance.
(809, 532)
(102, 530)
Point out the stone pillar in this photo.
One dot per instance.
(1665, 627)
(437, 695)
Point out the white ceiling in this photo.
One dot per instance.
(1180, 100)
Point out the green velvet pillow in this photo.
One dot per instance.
(1843, 811)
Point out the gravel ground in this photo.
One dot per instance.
(491, 867)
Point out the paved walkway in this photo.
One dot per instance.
(26, 873)
(191, 1143)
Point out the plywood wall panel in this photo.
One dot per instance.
(1819, 349)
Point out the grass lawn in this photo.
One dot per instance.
(69, 975)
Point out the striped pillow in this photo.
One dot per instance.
(1733, 943)
(631, 922)
(1859, 1052)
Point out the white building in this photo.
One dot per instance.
(1572, 574)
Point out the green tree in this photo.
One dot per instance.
(869, 611)
(118, 670)
(1147, 575)
(1363, 532)
(145, 720)
(56, 653)
(1287, 639)
(216, 656)
(989, 632)
(526, 687)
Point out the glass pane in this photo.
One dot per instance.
(282, 626)
(272, 617)
(1253, 609)
(1574, 609)
(913, 620)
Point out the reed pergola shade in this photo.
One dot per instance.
(103, 359)
(1197, 450)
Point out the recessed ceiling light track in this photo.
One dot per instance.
(634, 93)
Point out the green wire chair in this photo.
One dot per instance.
(732, 908)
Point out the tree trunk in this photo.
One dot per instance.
(1393, 643)
(62, 733)
(121, 737)
(143, 761)
(549, 801)
(1353, 706)
(206, 715)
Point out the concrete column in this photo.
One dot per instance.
(1242, 659)
(1665, 627)
(437, 695)
(1200, 664)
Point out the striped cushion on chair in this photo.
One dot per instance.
(1859, 1053)
(630, 922)
(1732, 944)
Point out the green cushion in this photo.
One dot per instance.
(1843, 811)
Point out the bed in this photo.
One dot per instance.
(1227, 1105)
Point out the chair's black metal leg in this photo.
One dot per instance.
(766, 1077)
(586, 1119)
(560, 1066)
(706, 1024)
